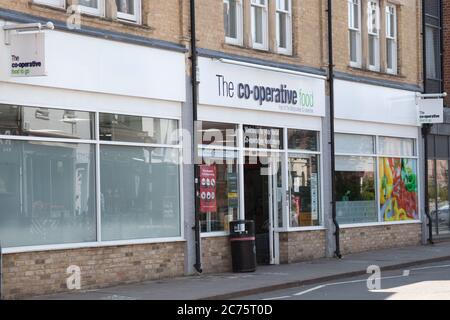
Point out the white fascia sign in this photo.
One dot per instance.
(247, 87)
(28, 54)
(431, 111)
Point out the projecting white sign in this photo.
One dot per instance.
(238, 86)
(431, 111)
(28, 54)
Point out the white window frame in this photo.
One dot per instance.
(265, 26)
(239, 40)
(375, 67)
(136, 17)
(392, 30)
(377, 155)
(353, 28)
(97, 143)
(52, 3)
(99, 11)
(288, 13)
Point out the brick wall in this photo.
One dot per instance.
(164, 20)
(216, 255)
(409, 42)
(307, 32)
(355, 240)
(40, 273)
(301, 246)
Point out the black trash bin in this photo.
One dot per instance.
(243, 248)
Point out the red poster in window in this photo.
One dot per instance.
(208, 179)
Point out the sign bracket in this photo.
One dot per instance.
(24, 27)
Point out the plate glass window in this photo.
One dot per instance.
(259, 24)
(354, 26)
(284, 26)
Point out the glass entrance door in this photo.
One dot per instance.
(438, 193)
(264, 201)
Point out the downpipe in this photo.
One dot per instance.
(337, 231)
(194, 58)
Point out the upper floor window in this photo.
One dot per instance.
(93, 7)
(259, 24)
(232, 16)
(53, 3)
(354, 26)
(374, 34)
(391, 39)
(129, 10)
(284, 26)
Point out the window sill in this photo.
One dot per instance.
(232, 46)
(88, 15)
(378, 224)
(218, 234)
(378, 73)
(90, 245)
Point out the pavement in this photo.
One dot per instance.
(267, 278)
(425, 282)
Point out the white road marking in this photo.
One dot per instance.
(277, 298)
(309, 290)
(432, 267)
(406, 273)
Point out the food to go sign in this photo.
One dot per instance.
(28, 54)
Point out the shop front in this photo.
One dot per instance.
(378, 190)
(438, 177)
(260, 137)
(90, 177)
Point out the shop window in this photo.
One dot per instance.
(233, 21)
(140, 192)
(374, 35)
(136, 129)
(304, 191)
(354, 27)
(47, 192)
(396, 146)
(391, 39)
(284, 26)
(354, 144)
(217, 134)
(355, 190)
(219, 189)
(257, 137)
(365, 174)
(303, 140)
(53, 3)
(438, 196)
(45, 122)
(398, 189)
(259, 23)
(129, 10)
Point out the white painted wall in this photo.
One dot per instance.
(369, 103)
(83, 63)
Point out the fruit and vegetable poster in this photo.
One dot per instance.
(208, 178)
(398, 189)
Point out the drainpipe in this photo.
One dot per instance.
(426, 128)
(337, 253)
(198, 257)
(1, 272)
